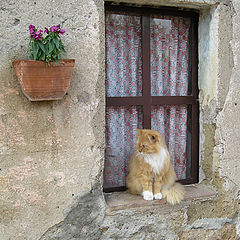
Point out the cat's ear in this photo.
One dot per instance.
(139, 131)
(153, 138)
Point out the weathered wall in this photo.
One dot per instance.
(229, 121)
(52, 153)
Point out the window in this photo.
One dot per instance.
(151, 82)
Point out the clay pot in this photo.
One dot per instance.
(43, 82)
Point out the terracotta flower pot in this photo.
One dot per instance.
(42, 82)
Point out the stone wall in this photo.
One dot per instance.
(52, 153)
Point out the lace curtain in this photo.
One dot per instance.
(170, 77)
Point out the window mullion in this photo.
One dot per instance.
(194, 57)
(172, 100)
(195, 106)
(146, 71)
(124, 101)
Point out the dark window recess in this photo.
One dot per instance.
(151, 82)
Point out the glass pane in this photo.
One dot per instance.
(174, 123)
(121, 125)
(123, 56)
(170, 65)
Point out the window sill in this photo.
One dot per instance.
(123, 200)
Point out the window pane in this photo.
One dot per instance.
(174, 123)
(170, 44)
(121, 125)
(123, 56)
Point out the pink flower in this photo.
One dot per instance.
(46, 30)
(57, 29)
(38, 35)
(31, 28)
(54, 28)
(32, 31)
(62, 31)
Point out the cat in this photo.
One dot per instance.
(151, 173)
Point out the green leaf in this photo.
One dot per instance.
(51, 46)
(35, 50)
(61, 47)
(46, 51)
(42, 46)
(56, 42)
(42, 56)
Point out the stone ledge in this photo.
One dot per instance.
(123, 200)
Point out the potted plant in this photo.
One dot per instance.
(46, 76)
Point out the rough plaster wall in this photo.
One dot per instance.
(207, 48)
(161, 222)
(165, 222)
(215, 84)
(50, 152)
(219, 116)
(228, 120)
(207, 56)
(83, 221)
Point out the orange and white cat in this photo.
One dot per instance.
(151, 173)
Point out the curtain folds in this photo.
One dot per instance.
(122, 123)
(123, 56)
(170, 77)
(171, 122)
(169, 56)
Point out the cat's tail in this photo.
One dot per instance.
(174, 194)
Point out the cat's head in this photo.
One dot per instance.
(148, 141)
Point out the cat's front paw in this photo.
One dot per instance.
(158, 196)
(147, 195)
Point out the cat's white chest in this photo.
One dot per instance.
(156, 161)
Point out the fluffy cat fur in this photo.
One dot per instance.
(151, 173)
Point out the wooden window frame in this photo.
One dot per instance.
(146, 100)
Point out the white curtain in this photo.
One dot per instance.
(170, 77)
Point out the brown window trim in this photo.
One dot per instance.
(146, 100)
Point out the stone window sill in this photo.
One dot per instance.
(123, 200)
